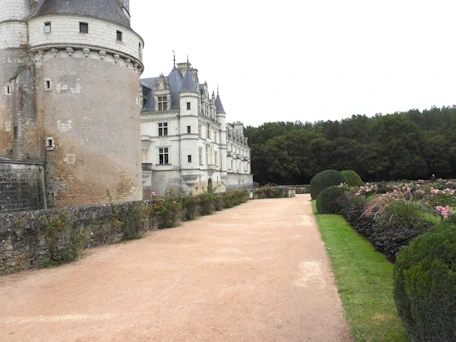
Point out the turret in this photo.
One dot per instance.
(221, 117)
(70, 74)
(17, 105)
(189, 101)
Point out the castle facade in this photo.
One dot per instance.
(187, 144)
(70, 96)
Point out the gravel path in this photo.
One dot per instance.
(258, 272)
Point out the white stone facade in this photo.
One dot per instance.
(195, 141)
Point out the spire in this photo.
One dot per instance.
(188, 84)
(218, 104)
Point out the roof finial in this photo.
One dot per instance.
(174, 58)
(217, 90)
(188, 62)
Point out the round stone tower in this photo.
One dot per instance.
(17, 98)
(85, 63)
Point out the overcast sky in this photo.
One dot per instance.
(307, 60)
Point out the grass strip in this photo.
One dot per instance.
(364, 278)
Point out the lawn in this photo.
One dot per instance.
(364, 278)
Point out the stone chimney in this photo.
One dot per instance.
(239, 127)
(195, 76)
(182, 67)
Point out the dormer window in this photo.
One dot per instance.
(47, 27)
(83, 27)
(162, 103)
(119, 36)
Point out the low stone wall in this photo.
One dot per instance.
(21, 186)
(273, 192)
(25, 237)
(34, 238)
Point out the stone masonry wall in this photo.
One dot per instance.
(21, 186)
(24, 237)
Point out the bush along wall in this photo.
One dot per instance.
(36, 238)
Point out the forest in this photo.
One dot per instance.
(404, 145)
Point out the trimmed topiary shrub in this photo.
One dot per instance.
(323, 180)
(425, 285)
(351, 178)
(328, 201)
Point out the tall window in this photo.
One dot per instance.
(162, 103)
(208, 132)
(189, 158)
(215, 136)
(200, 155)
(189, 105)
(189, 129)
(199, 131)
(119, 36)
(163, 155)
(162, 129)
(207, 156)
(215, 158)
(47, 27)
(83, 27)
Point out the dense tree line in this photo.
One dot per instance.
(406, 145)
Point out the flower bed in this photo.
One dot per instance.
(392, 218)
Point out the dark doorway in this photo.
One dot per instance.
(209, 185)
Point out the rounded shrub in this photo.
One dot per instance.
(323, 180)
(425, 285)
(328, 201)
(351, 178)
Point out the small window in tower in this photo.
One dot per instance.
(189, 129)
(47, 85)
(50, 144)
(189, 105)
(83, 27)
(189, 158)
(119, 36)
(47, 27)
(8, 89)
(15, 132)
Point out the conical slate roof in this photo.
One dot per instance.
(149, 104)
(175, 79)
(219, 106)
(102, 9)
(188, 84)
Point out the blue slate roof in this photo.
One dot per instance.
(188, 84)
(218, 105)
(102, 9)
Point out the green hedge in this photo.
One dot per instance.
(425, 285)
(328, 201)
(323, 180)
(351, 178)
